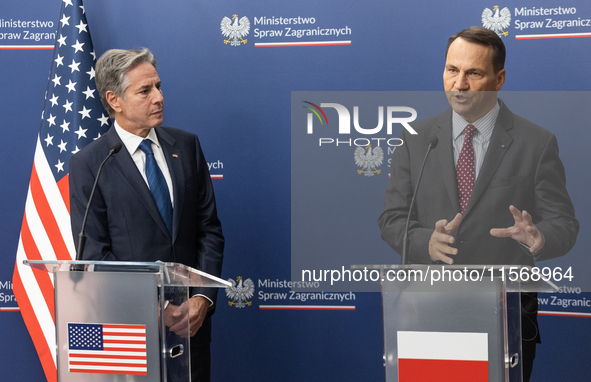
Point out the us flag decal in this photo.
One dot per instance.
(107, 349)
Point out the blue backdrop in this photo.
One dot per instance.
(238, 100)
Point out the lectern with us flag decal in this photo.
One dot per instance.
(454, 323)
(112, 318)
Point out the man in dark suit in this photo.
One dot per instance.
(493, 190)
(154, 199)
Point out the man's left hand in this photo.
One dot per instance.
(191, 312)
(524, 230)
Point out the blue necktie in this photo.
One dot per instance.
(157, 184)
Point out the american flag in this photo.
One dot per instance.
(72, 117)
(107, 349)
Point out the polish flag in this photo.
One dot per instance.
(442, 357)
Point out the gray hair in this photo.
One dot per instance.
(112, 68)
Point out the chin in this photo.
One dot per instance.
(462, 109)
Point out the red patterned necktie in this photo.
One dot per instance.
(465, 167)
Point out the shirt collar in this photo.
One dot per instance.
(132, 141)
(485, 125)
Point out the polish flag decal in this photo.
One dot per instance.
(442, 357)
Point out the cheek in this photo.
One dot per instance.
(447, 83)
(143, 108)
(487, 85)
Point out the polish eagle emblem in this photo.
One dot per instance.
(235, 31)
(496, 20)
(241, 293)
(369, 160)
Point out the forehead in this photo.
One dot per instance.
(468, 54)
(143, 74)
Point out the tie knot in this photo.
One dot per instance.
(146, 147)
(469, 132)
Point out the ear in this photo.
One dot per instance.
(500, 79)
(114, 100)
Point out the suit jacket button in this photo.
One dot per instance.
(461, 240)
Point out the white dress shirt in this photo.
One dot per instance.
(481, 139)
(132, 144)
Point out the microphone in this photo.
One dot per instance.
(81, 238)
(432, 144)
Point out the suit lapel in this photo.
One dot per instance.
(500, 141)
(446, 160)
(173, 156)
(125, 166)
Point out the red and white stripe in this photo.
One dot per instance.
(124, 352)
(563, 314)
(307, 307)
(552, 35)
(26, 47)
(45, 235)
(300, 43)
(442, 356)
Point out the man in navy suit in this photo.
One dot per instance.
(154, 199)
(511, 207)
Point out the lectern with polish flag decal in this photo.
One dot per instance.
(112, 319)
(454, 323)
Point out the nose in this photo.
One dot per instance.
(461, 82)
(157, 96)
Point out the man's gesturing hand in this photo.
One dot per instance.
(441, 238)
(524, 230)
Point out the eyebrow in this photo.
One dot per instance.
(475, 69)
(147, 86)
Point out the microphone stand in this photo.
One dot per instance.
(432, 144)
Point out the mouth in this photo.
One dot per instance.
(461, 97)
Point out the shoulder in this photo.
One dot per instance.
(434, 123)
(178, 138)
(174, 132)
(530, 127)
(522, 128)
(427, 129)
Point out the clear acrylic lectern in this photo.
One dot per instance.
(463, 321)
(112, 319)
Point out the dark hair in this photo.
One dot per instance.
(485, 37)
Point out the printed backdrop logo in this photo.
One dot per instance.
(497, 20)
(235, 31)
(239, 294)
(369, 161)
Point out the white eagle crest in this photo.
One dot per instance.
(368, 160)
(498, 21)
(236, 31)
(239, 294)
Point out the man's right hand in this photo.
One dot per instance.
(441, 238)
